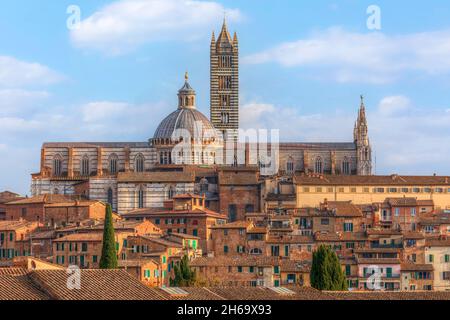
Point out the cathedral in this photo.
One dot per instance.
(182, 156)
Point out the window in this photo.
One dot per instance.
(276, 269)
(325, 221)
(232, 213)
(393, 190)
(275, 251)
(350, 245)
(84, 247)
(416, 190)
(139, 163)
(113, 160)
(256, 251)
(225, 232)
(348, 270)
(286, 251)
(141, 198)
(397, 212)
(110, 196)
(346, 166)
(447, 258)
(239, 268)
(405, 190)
(195, 232)
(318, 167)
(85, 166)
(57, 165)
(225, 249)
(290, 165)
(413, 212)
(251, 269)
(170, 192)
(430, 258)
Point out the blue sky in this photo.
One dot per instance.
(303, 66)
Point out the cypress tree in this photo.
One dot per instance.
(108, 259)
(183, 275)
(326, 272)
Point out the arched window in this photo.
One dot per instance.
(139, 163)
(85, 166)
(255, 251)
(57, 165)
(55, 191)
(113, 162)
(290, 165)
(346, 166)
(110, 196)
(318, 168)
(141, 198)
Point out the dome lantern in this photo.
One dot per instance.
(186, 95)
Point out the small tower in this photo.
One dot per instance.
(361, 138)
(186, 95)
(224, 83)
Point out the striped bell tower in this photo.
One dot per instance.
(224, 86)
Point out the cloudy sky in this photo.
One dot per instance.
(114, 75)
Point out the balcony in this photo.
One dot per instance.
(386, 246)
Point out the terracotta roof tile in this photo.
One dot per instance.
(95, 285)
(20, 287)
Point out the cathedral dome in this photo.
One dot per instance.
(189, 119)
(186, 120)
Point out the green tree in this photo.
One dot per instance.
(109, 252)
(184, 275)
(326, 272)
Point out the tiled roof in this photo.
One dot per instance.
(280, 197)
(8, 225)
(371, 180)
(20, 287)
(71, 204)
(437, 242)
(340, 236)
(164, 242)
(386, 295)
(95, 285)
(167, 213)
(290, 239)
(13, 271)
(156, 177)
(287, 265)
(345, 209)
(413, 235)
(81, 237)
(416, 267)
(243, 261)
(45, 198)
(193, 293)
(183, 235)
(237, 178)
(402, 202)
(234, 225)
(436, 218)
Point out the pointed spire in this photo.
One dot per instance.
(186, 76)
(213, 37)
(224, 34)
(235, 39)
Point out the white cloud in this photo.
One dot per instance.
(363, 57)
(393, 105)
(126, 24)
(16, 73)
(99, 111)
(16, 101)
